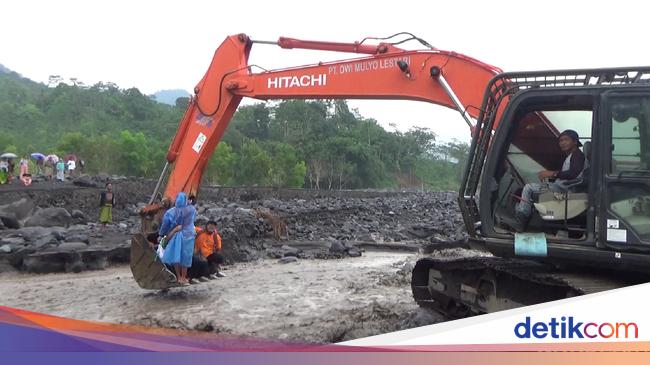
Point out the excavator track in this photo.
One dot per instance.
(462, 287)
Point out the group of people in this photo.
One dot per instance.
(7, 167)
(6, 170)
(50, 169)
(61, 167)
(193, 252)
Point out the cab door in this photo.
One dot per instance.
(624, 212)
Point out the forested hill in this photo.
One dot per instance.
(295, 143)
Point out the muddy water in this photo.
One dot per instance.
(309, 300)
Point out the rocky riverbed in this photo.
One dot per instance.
(342, 271)
(53, 229)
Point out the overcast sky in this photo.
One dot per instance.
(155, 45)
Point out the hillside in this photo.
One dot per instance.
(295, 143)
(3, 69)
(169, 96)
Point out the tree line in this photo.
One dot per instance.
(319, 144)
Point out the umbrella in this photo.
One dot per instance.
(38, 156)
(8, 155)
(53, 158)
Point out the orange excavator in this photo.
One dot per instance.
(600, 220)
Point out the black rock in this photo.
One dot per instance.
(12, 241)
(353, 252)
(13, 214)
(72, 246)
(200, 220)
(77, 214)
(42, 264)
(33, 233)
(84, 181)
(50, 217)
(41, 242)
(337, 246)
(214, 213)
(78, 237)
(288, 259)
(290, 251)
(75, 266)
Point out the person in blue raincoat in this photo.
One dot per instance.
(178, 227)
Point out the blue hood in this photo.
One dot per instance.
(181, 200)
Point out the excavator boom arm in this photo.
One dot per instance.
(388, 73)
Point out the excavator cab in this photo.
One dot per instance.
(592, 236)
(601, 213)
(532, 146)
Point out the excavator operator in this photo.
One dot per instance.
(572, 168)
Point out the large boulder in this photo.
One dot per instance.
(50, 217)
(85, 181)
(12, 241)
(337, 246)
(45, 241)
(79, 215)
(32, 234)
(72, 246)
(14, 214)
(48, 261)
(288, 259)
(289, 251)
(77, 237)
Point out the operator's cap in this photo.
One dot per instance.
(573, 134)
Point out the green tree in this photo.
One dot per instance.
(253, 165)
(5, 140)
(72, 142)
(133, 153)
(182, 102)
(220, 169)
(286, 169)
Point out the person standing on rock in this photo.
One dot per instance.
(106, 204)
(24, 166)
(25, 176)
(48, 169)
(71, 166)
(60, 170)
(178, 229)
(10, 162)
(4, 171)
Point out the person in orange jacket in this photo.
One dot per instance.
(207, 253)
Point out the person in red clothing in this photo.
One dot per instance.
(207, 253)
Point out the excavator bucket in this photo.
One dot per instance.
(148, 271)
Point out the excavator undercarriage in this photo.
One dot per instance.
(462, 287)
